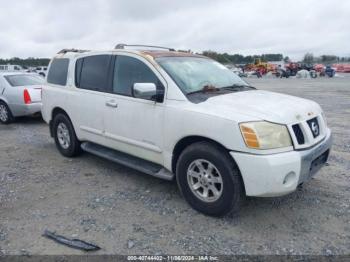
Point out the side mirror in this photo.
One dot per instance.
(147, 91)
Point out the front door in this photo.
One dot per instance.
(134, 125)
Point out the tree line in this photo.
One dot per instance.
(224, 58)
(241, 59)
(27, 62)
(310, 58)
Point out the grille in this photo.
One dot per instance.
(299, 134)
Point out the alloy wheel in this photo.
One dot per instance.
(63, 135)
(3, 113)
(205, 180)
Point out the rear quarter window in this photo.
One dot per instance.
(92, 72)
(58, 71)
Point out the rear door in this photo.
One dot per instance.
(134, 125)
(87, 99)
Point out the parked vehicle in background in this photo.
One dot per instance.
(292, 68)
(319, 68)
(41, 70)
(305, 66)
(20, 95)
(313, 73)
(342, 68)
(329, 71)
(10, 68)
(182, 116)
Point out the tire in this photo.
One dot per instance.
(65, 138)
(6, 116)
(192, 187)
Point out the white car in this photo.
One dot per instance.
(182, 116)
(20, 95)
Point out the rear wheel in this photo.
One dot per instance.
(209, 179)
(65, 138)
(5, 113)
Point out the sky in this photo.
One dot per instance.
(33, 28)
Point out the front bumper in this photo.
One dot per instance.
(280, 174)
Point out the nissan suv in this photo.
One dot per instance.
(184, 117)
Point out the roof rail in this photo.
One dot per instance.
(67, 50)
(122, 46)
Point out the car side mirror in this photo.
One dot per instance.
(147, 91)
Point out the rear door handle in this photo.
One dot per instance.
(112, 104)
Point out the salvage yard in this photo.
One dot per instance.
(127, 212)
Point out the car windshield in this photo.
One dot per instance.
(195, 74)
(24, 80)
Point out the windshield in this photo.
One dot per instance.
(193, 74)
(24, 80)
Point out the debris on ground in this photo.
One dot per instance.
(73, 243)
(131, 244)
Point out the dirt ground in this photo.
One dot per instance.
(126, 212)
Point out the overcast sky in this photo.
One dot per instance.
(41, 28)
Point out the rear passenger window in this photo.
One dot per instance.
(128, 71)
(58, 71)
(92, 72)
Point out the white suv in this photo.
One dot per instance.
(182, 116)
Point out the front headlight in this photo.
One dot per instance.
(265, 135)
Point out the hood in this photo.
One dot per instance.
(262, 105)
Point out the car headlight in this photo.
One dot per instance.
(265, 135)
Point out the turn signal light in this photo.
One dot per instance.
(26, 97)
(250, 137)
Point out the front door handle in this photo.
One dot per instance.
(112, 103)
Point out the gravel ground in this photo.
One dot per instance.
(126, 212)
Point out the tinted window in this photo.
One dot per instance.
(24, 80)
(58, 72)
(129, 70)
(78, 66)
(93, 72)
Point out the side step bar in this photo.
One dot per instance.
(136, 163)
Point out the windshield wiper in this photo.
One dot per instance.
(238, 87)
(207, 88)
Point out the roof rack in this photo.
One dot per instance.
(67, 50)
(122, 46)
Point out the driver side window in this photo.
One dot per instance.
(128, 71)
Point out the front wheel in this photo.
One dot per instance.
(209, 179)
(65, 138)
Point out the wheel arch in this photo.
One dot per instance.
(56, 111)
(182, 144)
(187, 141)
(3, 99)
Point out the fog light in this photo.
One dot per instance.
(289, 179)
